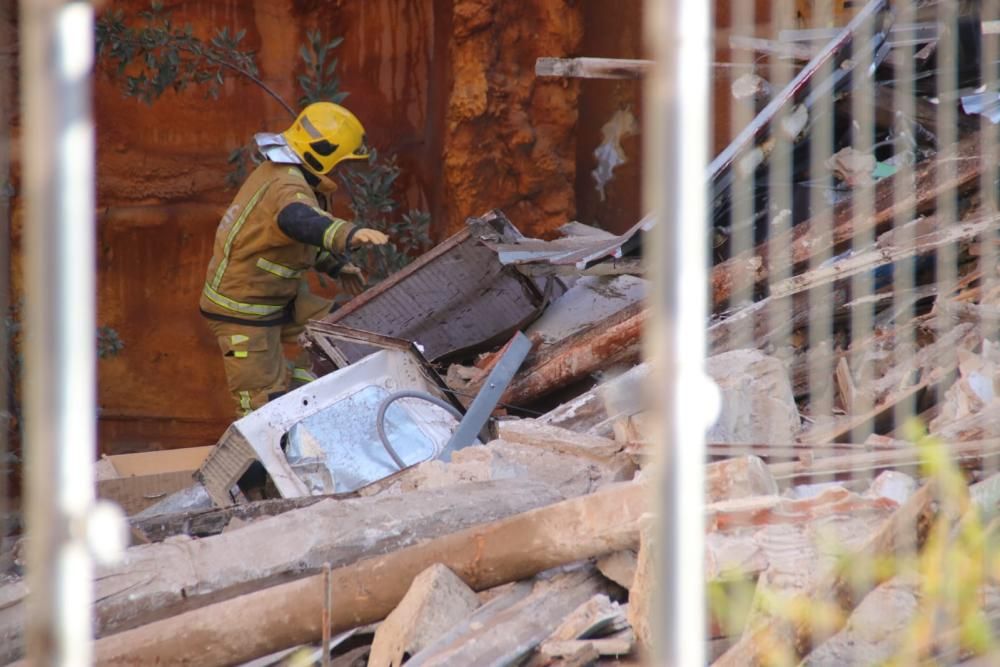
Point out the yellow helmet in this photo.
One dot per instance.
(324, 135)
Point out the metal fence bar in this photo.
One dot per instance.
(7, 101)
(57, 46)
(741, 215)
(818, 185)
(863, 141)
(903, 283)
(988, 186)
(676, 152)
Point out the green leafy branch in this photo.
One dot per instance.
(320, 82)
(156, 55)
(370, 190)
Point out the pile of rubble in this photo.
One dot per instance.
(870, 391)
(397, 501)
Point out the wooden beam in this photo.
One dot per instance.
(606, 343)
(886, 253)
(205, 523)
(963, 454)
(592, 68)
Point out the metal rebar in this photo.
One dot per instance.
(57, 47)
(327, 607)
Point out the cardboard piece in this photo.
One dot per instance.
(136, 481)
(135, 494)
(152, 463)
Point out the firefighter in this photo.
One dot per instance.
(256, 297)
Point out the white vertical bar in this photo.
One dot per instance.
(742, 190)
(780, 191)
(820, 299)
(8, 62)
(57, 49)
(904, 280)
(678, 35)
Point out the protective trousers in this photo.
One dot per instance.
(253, 356)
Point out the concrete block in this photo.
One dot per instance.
(758, 405)
(436, 601)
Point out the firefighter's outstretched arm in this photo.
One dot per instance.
(312, 225)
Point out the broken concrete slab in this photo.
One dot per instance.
(758, 404)
(977, 387)
(537, 434)
(436, 601)
(591, 299)
(493, 602)
(154, 579)
(512, 634)
(570, 475)
(596, 411)
(617, 645)
(868, 636)
(787, 536)
(894, 485)
(738, 478)
(572, 654)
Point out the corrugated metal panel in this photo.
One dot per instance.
(456, 298)
(576, 251)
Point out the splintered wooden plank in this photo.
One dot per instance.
(936, 363)
(514, 633)
(828, 229)
(615, 340)
(592, 68)
(962, 453)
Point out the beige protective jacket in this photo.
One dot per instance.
(256, 268)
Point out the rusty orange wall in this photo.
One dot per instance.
(510, 138)
(161, 168)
